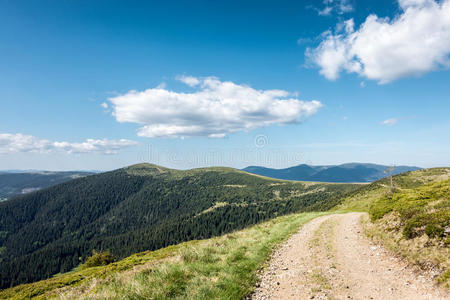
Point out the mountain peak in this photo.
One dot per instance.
(146, 169)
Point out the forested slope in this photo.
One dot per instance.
(142, 207)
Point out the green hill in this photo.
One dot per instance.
(139, 208)
(222, 267)
(410, 219)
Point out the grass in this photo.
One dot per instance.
(412, 222)
(423, 210)
(224, 267)
(411, 219)
(323, 236)
(362, 198)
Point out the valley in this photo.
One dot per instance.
(14, 183)
(138, 208)
(353, 248)
(229, 150)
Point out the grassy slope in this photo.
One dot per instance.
(412, 219)
(138, 208)
(224, 267)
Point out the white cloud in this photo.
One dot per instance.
(389, 122)
(338, 6)
(189, 80)
(344, 7)
(415, 42)
(162, 85)
(214, 109)
(326, 11)
(104, 105)
(11, 143)
(14, 143)
(404, 4)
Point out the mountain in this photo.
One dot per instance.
(13, 183)
(410, 219)
(351, 172)
(141, 207)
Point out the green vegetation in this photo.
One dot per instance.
(412, 218)
(423, 210)
(223, 267)
(99, 259)
(198, 212)
(361, 199)
(139, 208)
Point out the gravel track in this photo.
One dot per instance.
(330, 258)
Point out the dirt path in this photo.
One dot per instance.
(329, 258)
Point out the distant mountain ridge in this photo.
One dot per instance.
(349, 172)
(16, 182)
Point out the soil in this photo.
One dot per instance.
(330, 258)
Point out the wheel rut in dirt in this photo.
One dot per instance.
(330, 258)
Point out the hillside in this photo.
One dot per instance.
(142, 207)
(227, 267)
(17, 183)
(223, 267)
(351, 172)
(412, 220)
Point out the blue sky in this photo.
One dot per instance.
(204, 74)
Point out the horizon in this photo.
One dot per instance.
(99, 86)
(215, 166)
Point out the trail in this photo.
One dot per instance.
(330, 258)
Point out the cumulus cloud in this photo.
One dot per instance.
(389, 122)
(413, 43)
(14, 143)
(214, 109)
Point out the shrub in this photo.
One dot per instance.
(99, 259)
(433, 230)
(433, 223)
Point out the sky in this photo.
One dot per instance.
(98, 85)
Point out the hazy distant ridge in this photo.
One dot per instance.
(350, 172)
(15, 182)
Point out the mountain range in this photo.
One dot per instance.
(224, 267)
(350, 172)
(138, 208)
(18, 182)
